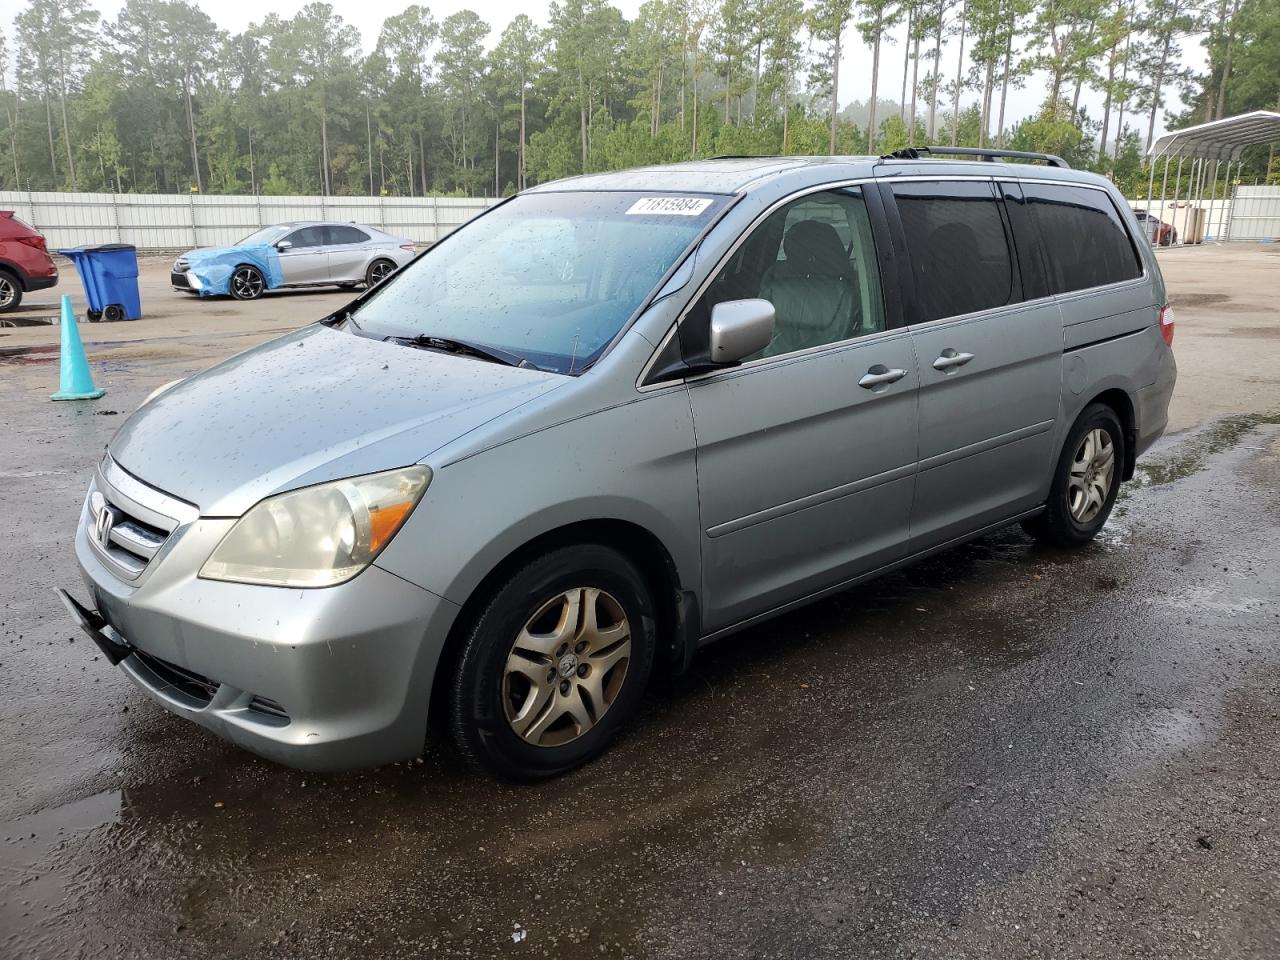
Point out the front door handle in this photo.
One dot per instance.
(880, 376)
(950, 359)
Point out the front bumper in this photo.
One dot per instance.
(185, 280)
(327, 679)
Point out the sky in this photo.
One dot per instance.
(855, 66)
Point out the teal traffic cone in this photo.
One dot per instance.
(75, 380)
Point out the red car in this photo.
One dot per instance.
(25, 263)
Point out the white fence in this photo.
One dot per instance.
(1255, 213)
(171, 222)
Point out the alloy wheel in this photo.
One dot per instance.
(246, 284)
(379, 270)
(566, 667)
(1092, 473)
(8, 291)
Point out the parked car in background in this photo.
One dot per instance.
(607, 422)
(25, 263)
(1159, 233)
(312, 254)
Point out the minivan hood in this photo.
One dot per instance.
(315, 405)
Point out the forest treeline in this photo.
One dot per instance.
(161, 99)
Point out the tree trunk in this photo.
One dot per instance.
(955, 113)
(191, 131)
(368, 129)
(937, 79)
(1156, 86)
(13, 128)
(988, 90)
(915, 86)
(582, 117)
(66, 137)
(835, 86)
(1106, 106)
(1226, 63)
(1004, 80)
(497, 169)
(693, 151)
(324, 152)
(875, 83)
(520, 160)
(755, 81)
(1124, 81)
(906, 65)
(48, 116)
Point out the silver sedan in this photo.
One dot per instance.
(312, 254)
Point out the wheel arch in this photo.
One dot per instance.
(675, 605)
(16, 272)
(1120, 401)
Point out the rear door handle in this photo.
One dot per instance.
(950, 358)
(879, 376)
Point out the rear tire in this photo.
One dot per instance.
(555, 663)
(1086, 480)
(10, 292)
(247, 282)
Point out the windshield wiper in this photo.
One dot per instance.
(464, 348)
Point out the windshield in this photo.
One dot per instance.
(265, 235)
(549, 277)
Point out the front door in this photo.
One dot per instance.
(806, 452)
(306, 259)
(990, 362)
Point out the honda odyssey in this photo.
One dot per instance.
(608, 421)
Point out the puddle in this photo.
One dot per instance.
(27, 356)
(1197, 299)
(31, 893)
(1192, 454)
(28, 321)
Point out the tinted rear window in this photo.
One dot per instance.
(1085, 243)
(346, 235)
(959, 251)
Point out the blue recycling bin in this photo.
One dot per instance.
(109, 273)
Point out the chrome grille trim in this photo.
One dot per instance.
(141, 541)
(143, 519)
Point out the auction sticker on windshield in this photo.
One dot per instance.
(671, 206)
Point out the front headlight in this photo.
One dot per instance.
(318, 536)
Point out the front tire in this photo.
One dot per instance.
(247, 283)
(1085, 482)
(554, 665)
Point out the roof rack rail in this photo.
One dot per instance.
(913, 153)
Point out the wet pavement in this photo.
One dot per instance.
(1006, 751)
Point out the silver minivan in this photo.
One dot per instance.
(609, 421)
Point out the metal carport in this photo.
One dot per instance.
(1219, 141)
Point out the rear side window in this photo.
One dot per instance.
(959, 250)
(1085, 243)
(340, 234)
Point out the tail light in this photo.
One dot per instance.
(1166, 324)
(36, 241)
(408, 246)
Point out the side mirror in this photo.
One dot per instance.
(283, 245)
(740, 328)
